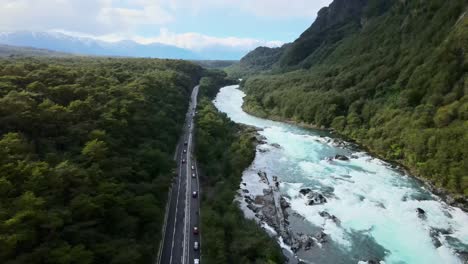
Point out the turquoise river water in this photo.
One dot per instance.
(376, 205)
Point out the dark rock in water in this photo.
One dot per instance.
(245, 184)
(463, 255)
(276, 145)
(245, 191)
(306, 242)
(262, 150)
(373, 261)
(284, 204)
(321, 237)
(381, 205)
(354, 157)
(316, 198)
(341, 157)
(421, 213)
(434, 233)
(305, 191)
(260, 139)
(327, 215)
(254, 208)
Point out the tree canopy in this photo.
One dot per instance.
(86, 148)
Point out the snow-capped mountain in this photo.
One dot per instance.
(88, 46)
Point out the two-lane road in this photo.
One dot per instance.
(183, 210)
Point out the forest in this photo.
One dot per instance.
(392, 75)
(86, 148)
(224, 150)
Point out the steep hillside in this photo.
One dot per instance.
(390, 74)
(333, 23)
(258, 60)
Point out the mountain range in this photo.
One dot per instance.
(61, 42)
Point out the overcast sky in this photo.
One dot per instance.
(193, 24)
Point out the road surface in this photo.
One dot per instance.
(182, 213)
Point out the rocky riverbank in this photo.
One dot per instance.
(340, 140)
(272, 208)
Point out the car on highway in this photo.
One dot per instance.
(195, 230)
(183, 161)
(196, 261)
(195, 245)
(193, 167)
(194, 194)
(193, 175)
(185, 143)
(185, 151)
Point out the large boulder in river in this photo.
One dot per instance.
(284, 204)
(305, 191)
(276, 145)
(421, 213)
(321, 237)
(316, 198)
(341, 157)
(313, 198)
(327, 215)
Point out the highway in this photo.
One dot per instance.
(182, 213)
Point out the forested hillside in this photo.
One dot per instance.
(15, 51)
(390, 74)
(86, 150)
(224, 150)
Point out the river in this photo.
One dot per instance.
(371, 208)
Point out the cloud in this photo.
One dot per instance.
(87, 16)
(192, 41)
(114, 20)
(197, 41)
(141, 13)
(263, 8)
(113, 16)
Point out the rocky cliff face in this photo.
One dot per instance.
(333, 23)
(341, 18)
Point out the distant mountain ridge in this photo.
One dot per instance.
(15, 51)
(86, 46)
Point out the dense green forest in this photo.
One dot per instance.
(224, 150)
(390, 74)
(86, 148)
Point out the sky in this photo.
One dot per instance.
(192, 24)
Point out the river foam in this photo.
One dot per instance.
(377, 206)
